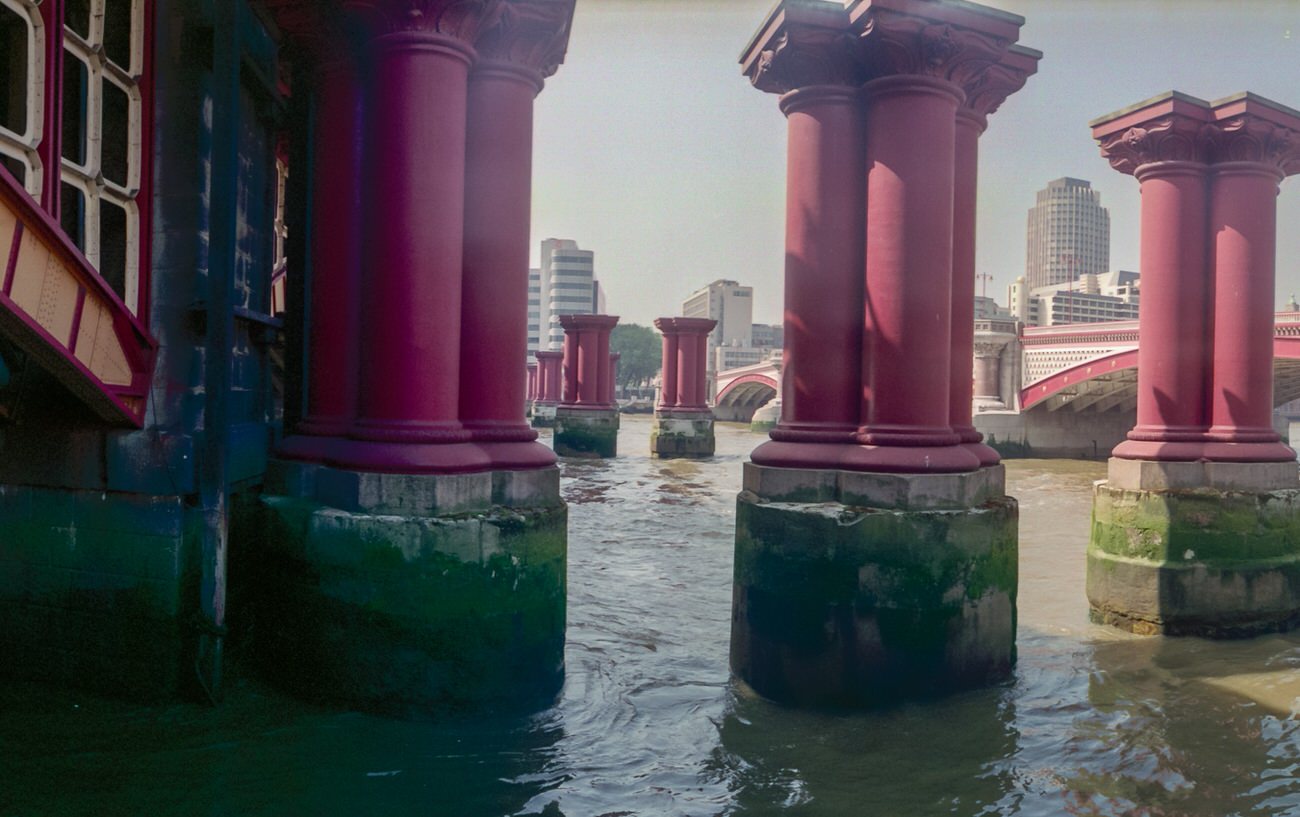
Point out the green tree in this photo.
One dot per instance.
(640, 350)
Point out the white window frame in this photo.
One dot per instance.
(22, 146)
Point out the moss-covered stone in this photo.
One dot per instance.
(586, 433)
(690, 436)
(399, 613)
(1203, 562)
(837, 605)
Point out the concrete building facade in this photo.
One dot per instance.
(1069, 234)
(728, 303)
(1108, 296)
(564, 284)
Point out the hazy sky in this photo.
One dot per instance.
(653, 150)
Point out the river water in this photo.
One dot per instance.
(1095, 722)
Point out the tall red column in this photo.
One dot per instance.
(549, 376)
(668, 376)
(689, 359)
(911, 149)
(612, 393)
(335, 245)
(534, 372)
(816, 73)
(1243, 223)
(409, 387)
(1161, 145)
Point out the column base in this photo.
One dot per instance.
(855, 589)
(682, 434)
(543, 415)
(408, 593)
(1219, 559)
(584, 432)
(891, 459)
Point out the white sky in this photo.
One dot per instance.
(653, 150)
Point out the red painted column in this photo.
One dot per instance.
(604, 385)
(911, 136)
(668, 376)
(533, 373)
(409, 388)
(612, 395)
(549, 376)
(335, 246)
(1243, 224)
(569, 391)
(494, 294)
(688, 364)
(822, 358)
(701, 369)
(586, 359)
(970, 124)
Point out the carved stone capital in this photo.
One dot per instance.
(532, 34)
(802, 44)
(1247, 138)
(893, 42)
(986, 90)
(461, 19)
(1169, 138)
(989, 348)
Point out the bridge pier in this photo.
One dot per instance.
(1197, 528)
(549, 380)
(586, 420)
(419, 549)
(875, 550)
(683, 423)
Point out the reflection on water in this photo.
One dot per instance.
(1095, 722)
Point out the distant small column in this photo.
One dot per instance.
(550, 378)
(988, 372)
(684, 428)
(531, 387)
(614, 358)
(668, 378)
(586, 420)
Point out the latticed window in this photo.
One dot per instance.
(72, 124)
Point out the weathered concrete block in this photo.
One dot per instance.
(876, 490)
(589, 433)
(1148, 475)
(403, 612)
(537, 487)
(543, 415)
(682, 434)
(413, 494)
(836, 605)
(1205, 562)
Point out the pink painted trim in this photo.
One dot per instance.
(12, 263)
(1036, 393)
(76, 320)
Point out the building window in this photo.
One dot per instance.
(22, 91)
(87, 168)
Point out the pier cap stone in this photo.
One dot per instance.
(876, 490)
(1152, 475)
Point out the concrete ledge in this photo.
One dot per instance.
(584, 432)
(1219, 564)
(876, 490)
(846, 606)
(682, 435)
(543, 415)
(1149, 475)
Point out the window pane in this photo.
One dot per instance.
(16, 169)
(76, 86)
(72, 216)
(117, 32)
(112, 245)
(116, 133)
(76, 15)
(13, 71)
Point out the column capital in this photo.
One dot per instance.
(529, 34)
(548, 355)
(986, 90)
(459, 19)
(954, 42)
(578, 323)
(685, 326)
(1172, 127)
(1249, 128)
(316, 30)
(803, 43)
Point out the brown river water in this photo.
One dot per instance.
(1095, 722)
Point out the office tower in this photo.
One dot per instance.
(1069, 234)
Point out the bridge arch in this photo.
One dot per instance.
(739, 399)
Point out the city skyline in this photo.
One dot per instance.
(653, 151)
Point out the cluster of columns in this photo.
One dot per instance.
(1193, 531)
(885, 103)
(1209, 175)
(683, 422)
(586, 419)
(546, 387)
(420, 190)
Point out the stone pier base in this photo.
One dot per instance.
(413, 593)
(543, 415)
(853, 589)
(682, 434)
(583, 432)
(766, 417)
(1192, 548)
